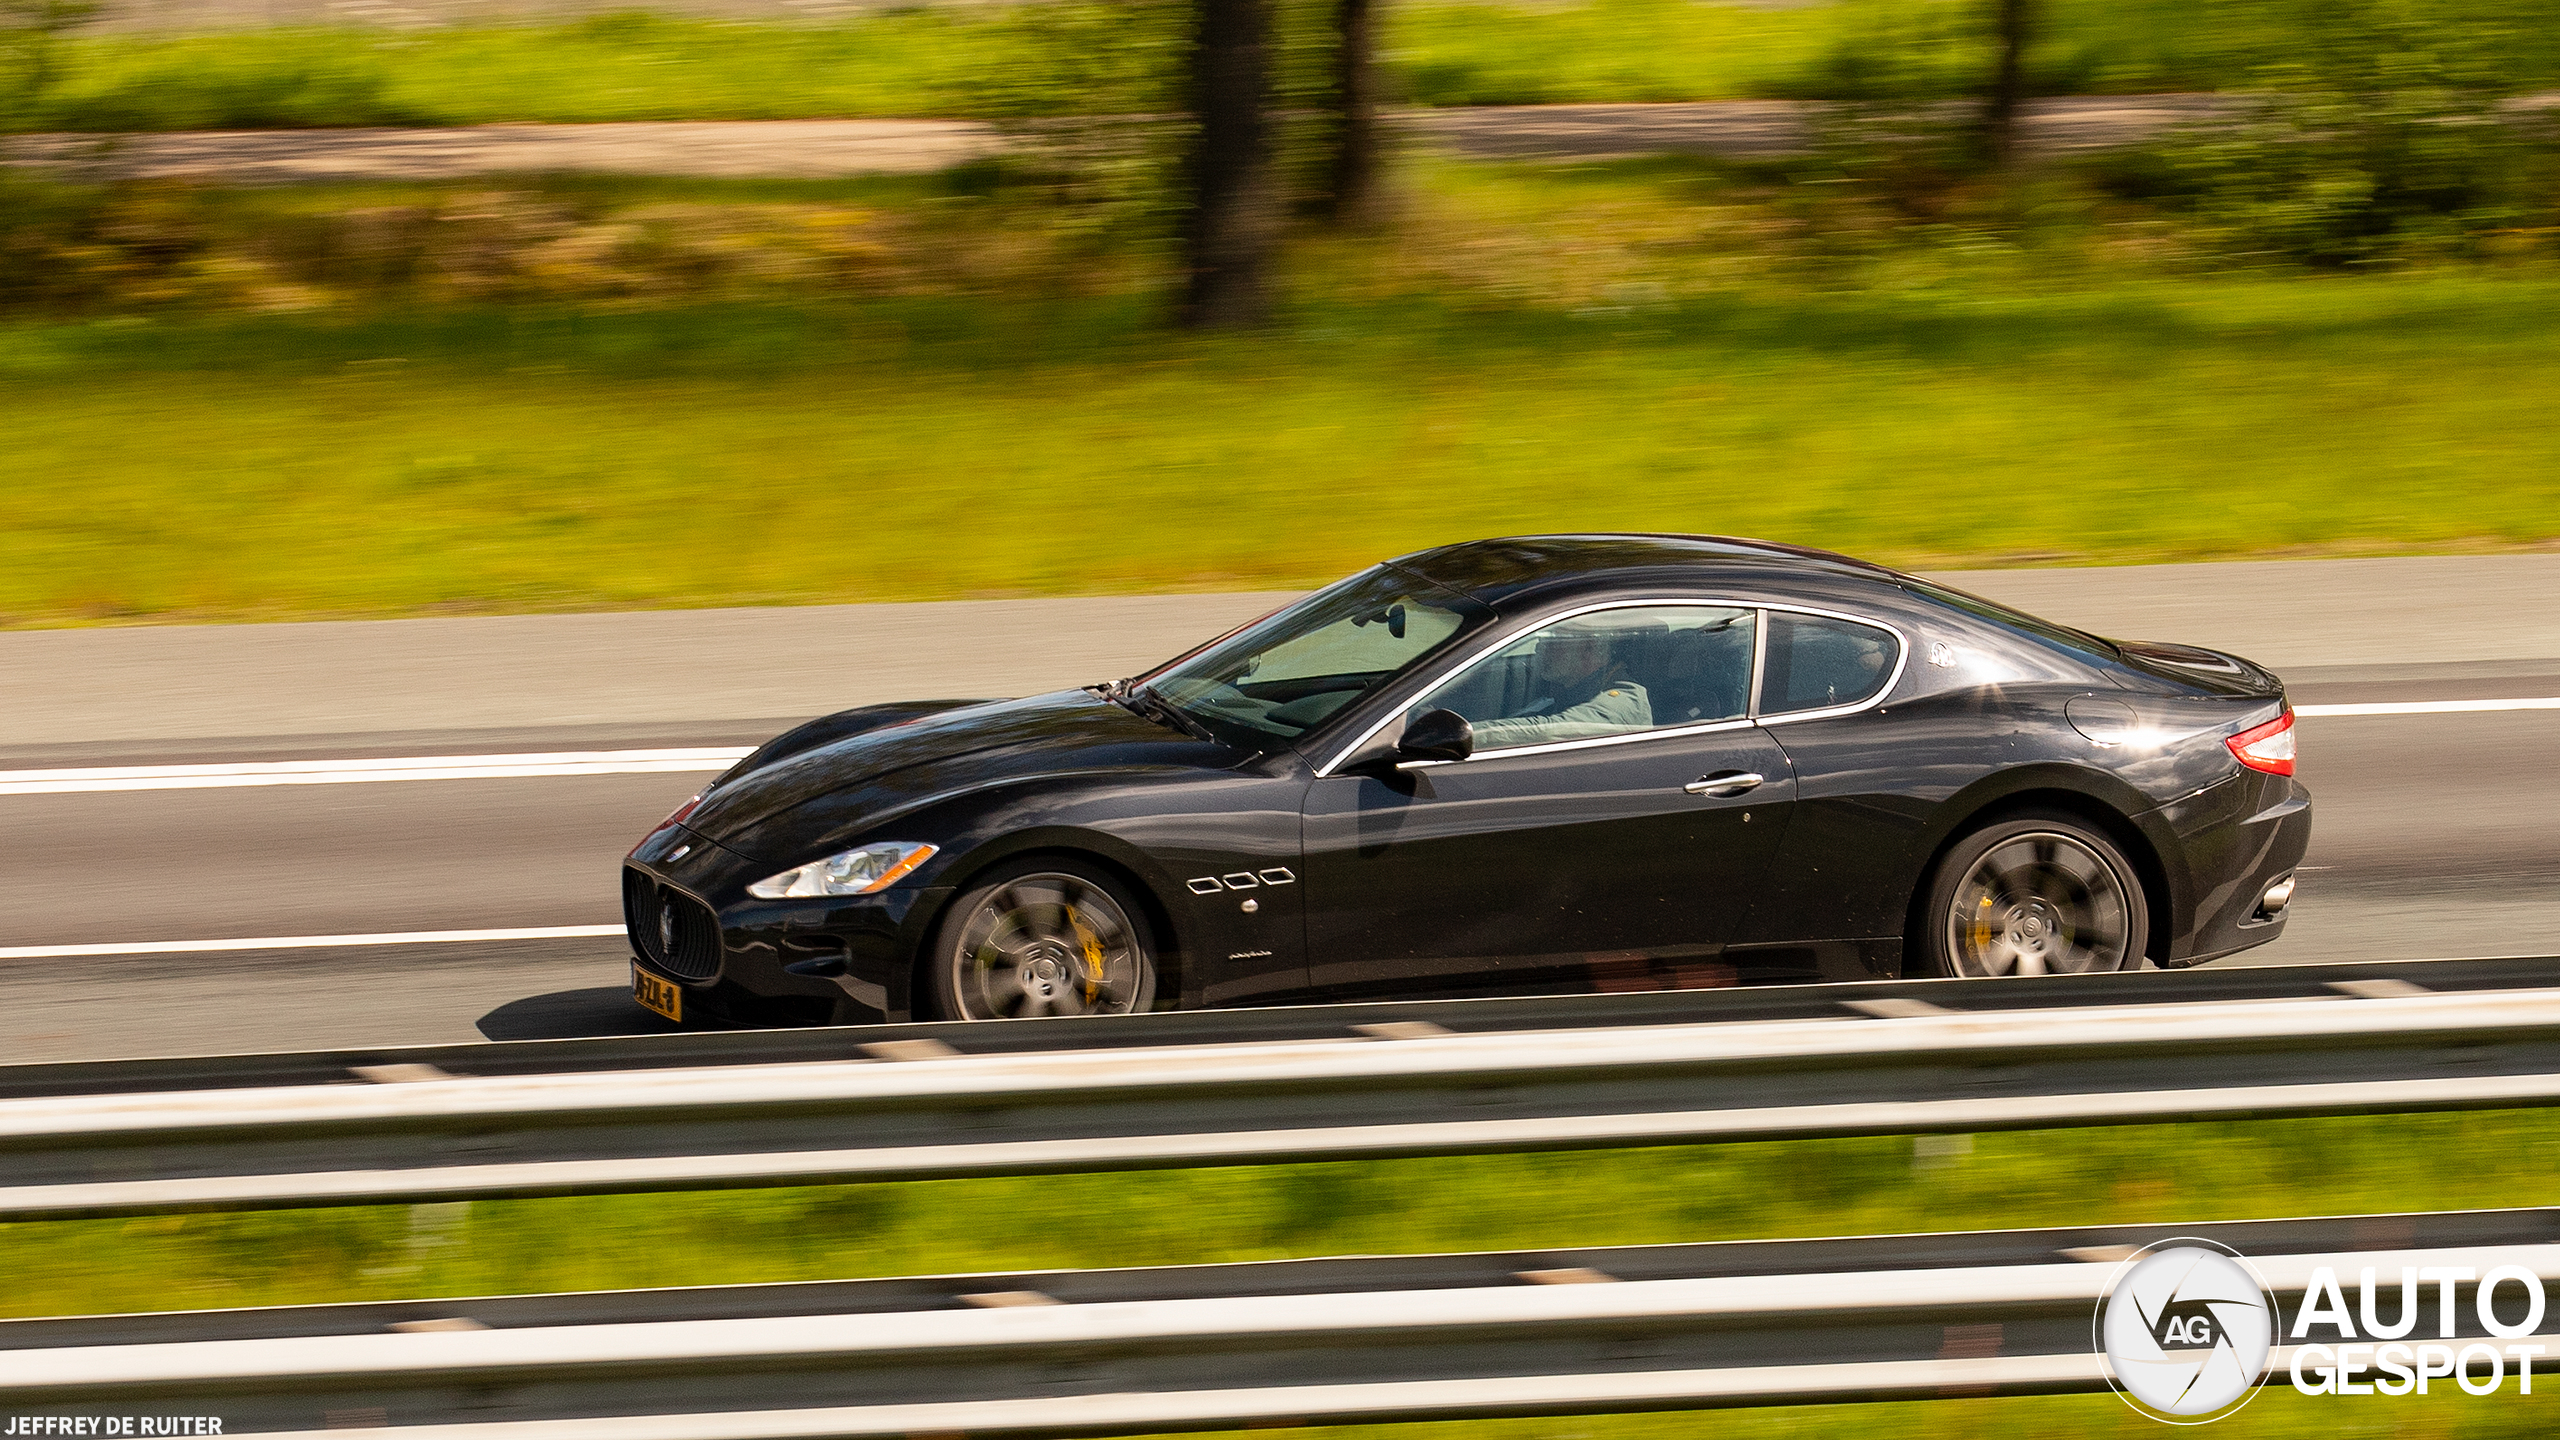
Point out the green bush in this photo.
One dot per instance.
(300, 86)
(31, 52)
(143, 246)
(2389, 136)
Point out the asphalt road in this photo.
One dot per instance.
(2433, 835)
(2427, 844)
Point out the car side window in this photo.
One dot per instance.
(1816, 662)
(1610, 672)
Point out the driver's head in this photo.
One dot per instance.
(1570, 656)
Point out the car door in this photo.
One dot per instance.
(1868, 785)
(1592, 848)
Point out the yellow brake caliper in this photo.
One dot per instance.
(1092, 955)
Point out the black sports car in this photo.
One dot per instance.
(1584, 762)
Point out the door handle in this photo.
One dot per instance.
(1724, 782)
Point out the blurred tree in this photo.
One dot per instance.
(1349, 183)
(1229, 224)
(2013, 29)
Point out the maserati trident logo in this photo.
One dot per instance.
(2186, 1328)
(666, 929)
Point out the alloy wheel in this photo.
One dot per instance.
(1049, 944)
(2039, 903)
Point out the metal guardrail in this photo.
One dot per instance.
(1276, 1023)
(1909, 1067)
(1126, 1351)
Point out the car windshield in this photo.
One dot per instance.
(1286, 674)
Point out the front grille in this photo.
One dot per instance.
(670, 929)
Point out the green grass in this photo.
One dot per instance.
(2277, 1414)
(2115, 1175)
(633, 66)
(1093, 55)
(530, 459)
(2186, 1173)
(1650, 50)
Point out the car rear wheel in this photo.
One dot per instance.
(2035, 895)
(1049, 937)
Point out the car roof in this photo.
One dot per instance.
(1521, 567)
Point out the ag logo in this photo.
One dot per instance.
(2188, 1325)
(2185, 1328)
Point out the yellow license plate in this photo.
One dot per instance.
(657, 994)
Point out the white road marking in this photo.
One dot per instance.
(361, 772)
(2429, 707)
(592, 762)
(311, 942)
(683, 761)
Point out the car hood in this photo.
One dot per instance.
(769, 814)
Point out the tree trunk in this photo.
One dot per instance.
(1351, 169)
(2008, 87)
(1228, 225)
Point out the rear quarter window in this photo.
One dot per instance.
(1815, 662)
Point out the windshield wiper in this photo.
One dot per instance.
(1148, 703)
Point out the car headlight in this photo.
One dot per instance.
(857, 871)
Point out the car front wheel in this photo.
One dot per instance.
(2035, 895)
(1048, 937)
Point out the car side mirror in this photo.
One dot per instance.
(1437, 735)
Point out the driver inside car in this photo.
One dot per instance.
(1582, 690)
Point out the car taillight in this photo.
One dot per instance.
(677, 818)
(2267, 747)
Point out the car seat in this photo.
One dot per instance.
(1706, 676)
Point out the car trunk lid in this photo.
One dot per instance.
(2194, 668)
